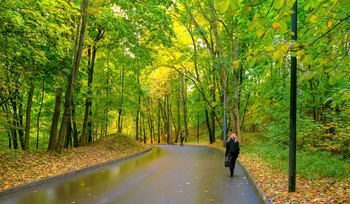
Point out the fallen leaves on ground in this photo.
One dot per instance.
(274, 184)
(21, 167)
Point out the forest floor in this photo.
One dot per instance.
(274, 184)
(20, 167)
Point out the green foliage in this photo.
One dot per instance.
(138, 41)
(311, 164)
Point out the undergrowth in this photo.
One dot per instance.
(310, 164)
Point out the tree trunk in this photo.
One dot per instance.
(20, 121)
(39, 113)
(55, 119)
(28, 114)
(314, 111)
(237, 102)
(178, 104)
(87, 123)
(168, 110)
(207, 120)
(212, 114)
(72, 80)
(184, 107)
(12, 134)
(120, 110)
(144, 130)
(137, 118)
(237, 92)
(73, 125)
(159, 120)
(215, 55)
(150, 123)
(17, 129)
(83, 137)
(68, 138)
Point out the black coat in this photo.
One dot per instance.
(232, 147)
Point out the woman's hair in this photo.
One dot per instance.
(232, 133)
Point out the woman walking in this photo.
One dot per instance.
(232, 151)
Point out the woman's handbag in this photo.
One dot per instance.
(227, 163)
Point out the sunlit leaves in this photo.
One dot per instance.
(280, 27)
(308, 75)
(334, 77)
(280, 51)
(224, 4)
(234, 4)
(229, 6)
(277, 4)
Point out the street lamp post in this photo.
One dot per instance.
(293, 109)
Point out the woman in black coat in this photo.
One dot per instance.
(232, 151)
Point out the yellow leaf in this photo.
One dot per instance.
(253, 25)
(308, 59)
(252, 61)
(277, 4)
(283, 27)
(256, 17)
(329, 23)
(313, 19)
(284, 48)
(278, 54)
(234, 4)
(248, 58)
(260, 32)
(332, 80)
(289, 3)
(235, 64)
(224, 6)
(269, 48)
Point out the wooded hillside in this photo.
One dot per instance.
(73, 71)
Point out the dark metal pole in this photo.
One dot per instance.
(293, 108)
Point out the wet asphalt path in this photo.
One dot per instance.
(167, 174)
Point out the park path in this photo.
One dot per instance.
(168, 174)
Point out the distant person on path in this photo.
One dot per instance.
(232, 151)
(182, 137)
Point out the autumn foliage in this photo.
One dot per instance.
(274, 185)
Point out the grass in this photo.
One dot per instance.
(310, 164)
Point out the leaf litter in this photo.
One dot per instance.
(23, 167)
(20, 167)
(274, 184)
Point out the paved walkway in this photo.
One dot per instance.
(167, 174)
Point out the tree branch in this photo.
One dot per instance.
(344, 19)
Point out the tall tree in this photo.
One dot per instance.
(73, 77)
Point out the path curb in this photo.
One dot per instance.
(257, 190)
(262, 198)
(60, 176)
